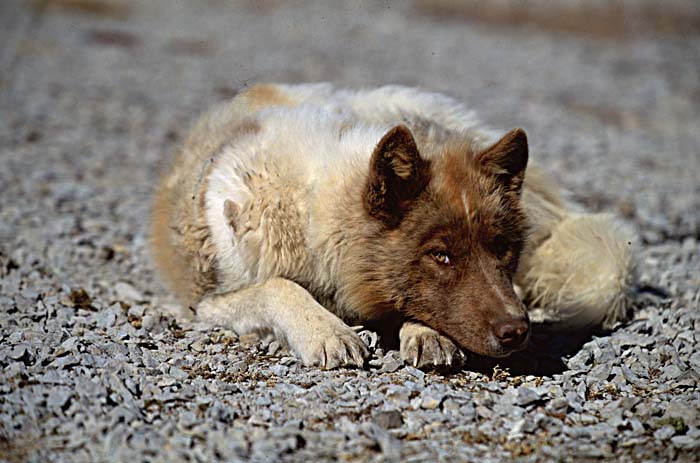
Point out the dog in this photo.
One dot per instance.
(297, 210)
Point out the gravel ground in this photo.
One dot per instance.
(95, 95)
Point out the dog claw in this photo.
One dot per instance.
(424, 347)
(339, 346)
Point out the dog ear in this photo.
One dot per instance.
(507, 158)
(397, 175)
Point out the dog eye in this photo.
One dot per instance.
(441, 257)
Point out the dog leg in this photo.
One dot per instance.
(422, 346)
(315, 335)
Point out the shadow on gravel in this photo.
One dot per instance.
(542, 357)
(545, 353)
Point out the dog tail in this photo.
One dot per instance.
(583, 275)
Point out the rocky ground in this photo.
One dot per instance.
(95, 95)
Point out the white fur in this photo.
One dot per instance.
(582, 276)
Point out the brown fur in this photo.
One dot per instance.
(397, 176)
(264, 95)
(484, 239)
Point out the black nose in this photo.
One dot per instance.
(512, 332)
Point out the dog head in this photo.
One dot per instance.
(450, 233)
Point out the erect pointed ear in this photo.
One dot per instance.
(507, 158)
(397, 175)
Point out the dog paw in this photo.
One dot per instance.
(423, 347)
(332, 348)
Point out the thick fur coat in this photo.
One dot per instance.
(295, 209)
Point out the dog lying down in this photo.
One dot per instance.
(299, 209)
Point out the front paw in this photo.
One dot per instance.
(423, 347)
(332, 347)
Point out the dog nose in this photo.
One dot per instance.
(512, 333)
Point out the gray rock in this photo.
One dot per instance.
(430, 401)
(484, 412)
(601, 372)
(105, 319)
(558, 404)
(664, 433)
(67, 361)
(603, 350)
(672, 372)
(198, 346)
(626, 339)
(685, 442)
(279, 370)
(517, 430)
(388, 419)
(127, 292)
(629, 375)
(137, 311)
(273, 348)
(178, 373)
(59, 397)
(151, 322)
(389, 446)
(240, 366)
(415, 372)
(70, 344)
(450, 405)
(580, 361)
(18, 352)
(391, 362)
(526, 396)
(689, 412)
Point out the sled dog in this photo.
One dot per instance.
(299, 210)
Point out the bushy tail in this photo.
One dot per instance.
(581, 276)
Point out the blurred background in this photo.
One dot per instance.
(96, 94)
